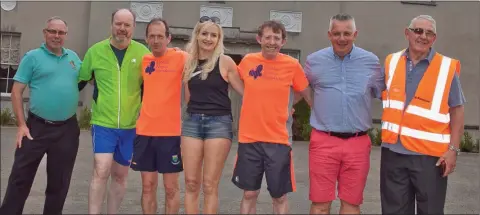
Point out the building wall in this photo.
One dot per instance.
(380, 24)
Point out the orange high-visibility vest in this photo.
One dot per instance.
(424, 125)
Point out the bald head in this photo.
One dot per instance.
(124, 13)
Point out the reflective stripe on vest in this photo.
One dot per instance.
(439, 138)
(388, 103)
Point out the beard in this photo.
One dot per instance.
(121, 37)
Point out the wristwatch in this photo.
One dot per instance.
(453, 148)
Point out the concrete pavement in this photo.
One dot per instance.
(462, 197)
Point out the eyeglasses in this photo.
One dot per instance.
(420, 31)
(53, 31)
(213, 19)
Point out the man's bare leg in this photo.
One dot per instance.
(118, 187)
(320, 207)
(249, 202)
(98, 185)
(280, 205)
(149, 192)
(172, 193)
(347, 208)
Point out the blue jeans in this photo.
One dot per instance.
(204, 127)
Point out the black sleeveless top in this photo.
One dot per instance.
(209, 96)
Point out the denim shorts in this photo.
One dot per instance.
(202, 126)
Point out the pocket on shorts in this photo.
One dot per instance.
(221, 124)
(224, 119)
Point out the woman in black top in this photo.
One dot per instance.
(207, 128)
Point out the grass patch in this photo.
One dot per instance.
(84, 119)
(7, 118)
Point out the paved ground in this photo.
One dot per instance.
(463, 196)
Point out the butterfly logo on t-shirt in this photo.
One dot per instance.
(150, 68)
(257, 72)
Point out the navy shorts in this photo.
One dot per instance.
(255, 159)
(157, 154)
(113, 140)
(204, 127)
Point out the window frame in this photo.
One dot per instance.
(11, 35)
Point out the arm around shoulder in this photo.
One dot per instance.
(85, 73)
(232, 74)
(378, 79)
(301, 85)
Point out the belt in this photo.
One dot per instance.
(48, 122)
(345, 135)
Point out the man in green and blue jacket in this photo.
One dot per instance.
(114, 65)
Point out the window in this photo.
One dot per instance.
(10, 57)
(292, 53)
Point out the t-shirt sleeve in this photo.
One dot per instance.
(25, 69)
(456, 97)
(300, 81)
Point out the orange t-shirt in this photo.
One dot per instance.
(160, 114)
(268, 97)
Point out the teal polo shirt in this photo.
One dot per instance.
(52, 81)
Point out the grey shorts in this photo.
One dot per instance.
(204, 127)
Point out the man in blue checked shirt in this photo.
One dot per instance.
(344, 78)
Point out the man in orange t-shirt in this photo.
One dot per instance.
(157, 145)
(271, 80)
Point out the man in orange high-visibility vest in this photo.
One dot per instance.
(422, 123)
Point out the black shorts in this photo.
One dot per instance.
(157, 154)
(255, 159)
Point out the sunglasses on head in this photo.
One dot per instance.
(213, 19)
(420, 31)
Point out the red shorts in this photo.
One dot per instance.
(331, 159)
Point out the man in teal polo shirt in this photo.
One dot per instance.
(114, 64)
(51, 73)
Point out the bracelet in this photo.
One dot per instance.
(453, 148)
